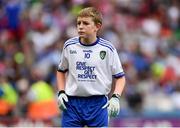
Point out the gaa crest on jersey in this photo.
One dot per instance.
(102, 54)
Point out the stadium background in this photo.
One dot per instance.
(145, 32)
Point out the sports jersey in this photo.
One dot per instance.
(90, 68)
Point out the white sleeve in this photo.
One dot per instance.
(117, 70)
(63, 64)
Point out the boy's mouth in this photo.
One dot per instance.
(81, 33)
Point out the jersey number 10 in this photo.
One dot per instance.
(87, 55)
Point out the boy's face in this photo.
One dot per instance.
(86, 27)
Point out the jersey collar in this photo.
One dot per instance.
(92, 44)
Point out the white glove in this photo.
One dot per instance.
(114, 106)
(62, 98)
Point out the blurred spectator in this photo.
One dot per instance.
(8, 98)
(175, 97)
(22, 104)
(42, 104)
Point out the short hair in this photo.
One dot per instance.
(91, 12)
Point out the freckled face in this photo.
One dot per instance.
(86, 27)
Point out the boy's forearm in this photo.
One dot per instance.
(119, 85)
(60, 80)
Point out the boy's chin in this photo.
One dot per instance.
(82, 36)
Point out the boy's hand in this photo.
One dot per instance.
(62, 98)
(114, 106)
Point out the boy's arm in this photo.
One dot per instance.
(119, 85)
(62, 97)
(60, 80)
(114, 102)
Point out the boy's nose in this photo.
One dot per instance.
(81, 26)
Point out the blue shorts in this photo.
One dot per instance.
(85, 111)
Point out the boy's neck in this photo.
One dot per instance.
(89, 40)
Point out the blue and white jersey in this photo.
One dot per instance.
(90, 68)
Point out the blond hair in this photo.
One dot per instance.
(91, 12)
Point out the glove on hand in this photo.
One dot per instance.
(114, 106)
(62, 98)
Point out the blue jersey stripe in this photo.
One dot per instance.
(71, 40)
(63, 71)
(71, 43)
(119, 75)
(106, 42)
(105, 46)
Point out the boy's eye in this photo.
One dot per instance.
(84, 23)
(78, 23)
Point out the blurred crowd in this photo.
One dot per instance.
(146, 34)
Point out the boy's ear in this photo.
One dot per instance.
(98, 25)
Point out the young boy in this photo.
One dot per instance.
(91, 64)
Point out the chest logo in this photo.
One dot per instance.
(73, 52)
(102, 54)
